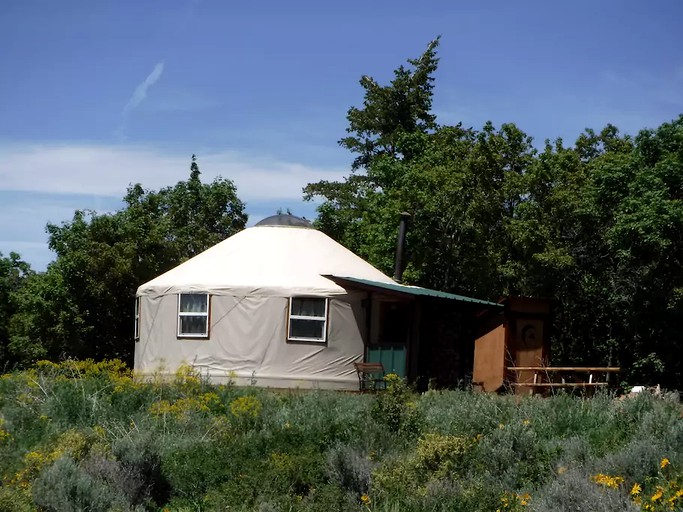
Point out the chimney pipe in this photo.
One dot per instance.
(400, 246)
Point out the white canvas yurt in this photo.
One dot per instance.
(257, 308)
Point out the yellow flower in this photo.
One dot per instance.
(246, 407)
(501, 426)
(365, 499)
(665, 462)
(676, 497)
(635, 490)
(526, 422)
(656, 496)
(612, 482)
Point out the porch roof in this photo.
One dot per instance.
(405, 290)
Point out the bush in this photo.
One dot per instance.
(574, 491)
(193, 467)
(138, 472)
(64, 487)
(79, 435)
(347, 468)
(396, 407)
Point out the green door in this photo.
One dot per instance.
(392, 357)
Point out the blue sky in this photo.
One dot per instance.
(97, 95)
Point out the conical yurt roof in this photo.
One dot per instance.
(281, 256)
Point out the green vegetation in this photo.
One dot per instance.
(83, 305)
(594, 225)
(87, 436)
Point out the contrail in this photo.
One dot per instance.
(140, 92)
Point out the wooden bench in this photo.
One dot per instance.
(545, 377)
(370, 376)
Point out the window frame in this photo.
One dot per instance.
(323, 319)
(136, 325)
(205, 314)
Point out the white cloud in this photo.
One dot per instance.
(140, 92)
(107, 170)
(42, 183)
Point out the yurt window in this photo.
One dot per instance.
(307, 319)
(193, 315)
(137, 318)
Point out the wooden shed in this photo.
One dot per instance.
(517, 336)
(512, 351)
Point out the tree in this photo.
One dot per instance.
(599, 231)
(389, 112)
(594, 226)
(458, 184)
(13, 274)
(379, 136)
(82, 306)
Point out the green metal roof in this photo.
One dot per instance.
(409, 290)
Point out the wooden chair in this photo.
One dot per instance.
(370, 376)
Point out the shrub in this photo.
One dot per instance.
(396, 407)
(436, 457)
(575, 491)
(246, 409)
(442, 455)
(64, 487)
(515, 455)
(87, 432)
(139, 472)
(194, 466)
(662, 492)
(349, 469)
(16, 499)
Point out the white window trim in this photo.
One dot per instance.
(181, 314)
(136, 327)
(306, 317)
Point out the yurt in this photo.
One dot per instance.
(279, 304)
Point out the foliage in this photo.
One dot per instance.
(594, 226)
(82, 306)
(13, 274)
(85, 435)
(395, 407)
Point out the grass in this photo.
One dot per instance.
(87, 436)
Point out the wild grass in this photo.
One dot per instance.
(88, 436)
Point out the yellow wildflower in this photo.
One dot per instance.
(245, 407)
(612, 482)
(665, 462)
(365, 499)
(657, 495)
(635, 490)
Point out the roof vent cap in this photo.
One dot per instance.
(284, 219)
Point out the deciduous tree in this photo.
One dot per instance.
(82, 306)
